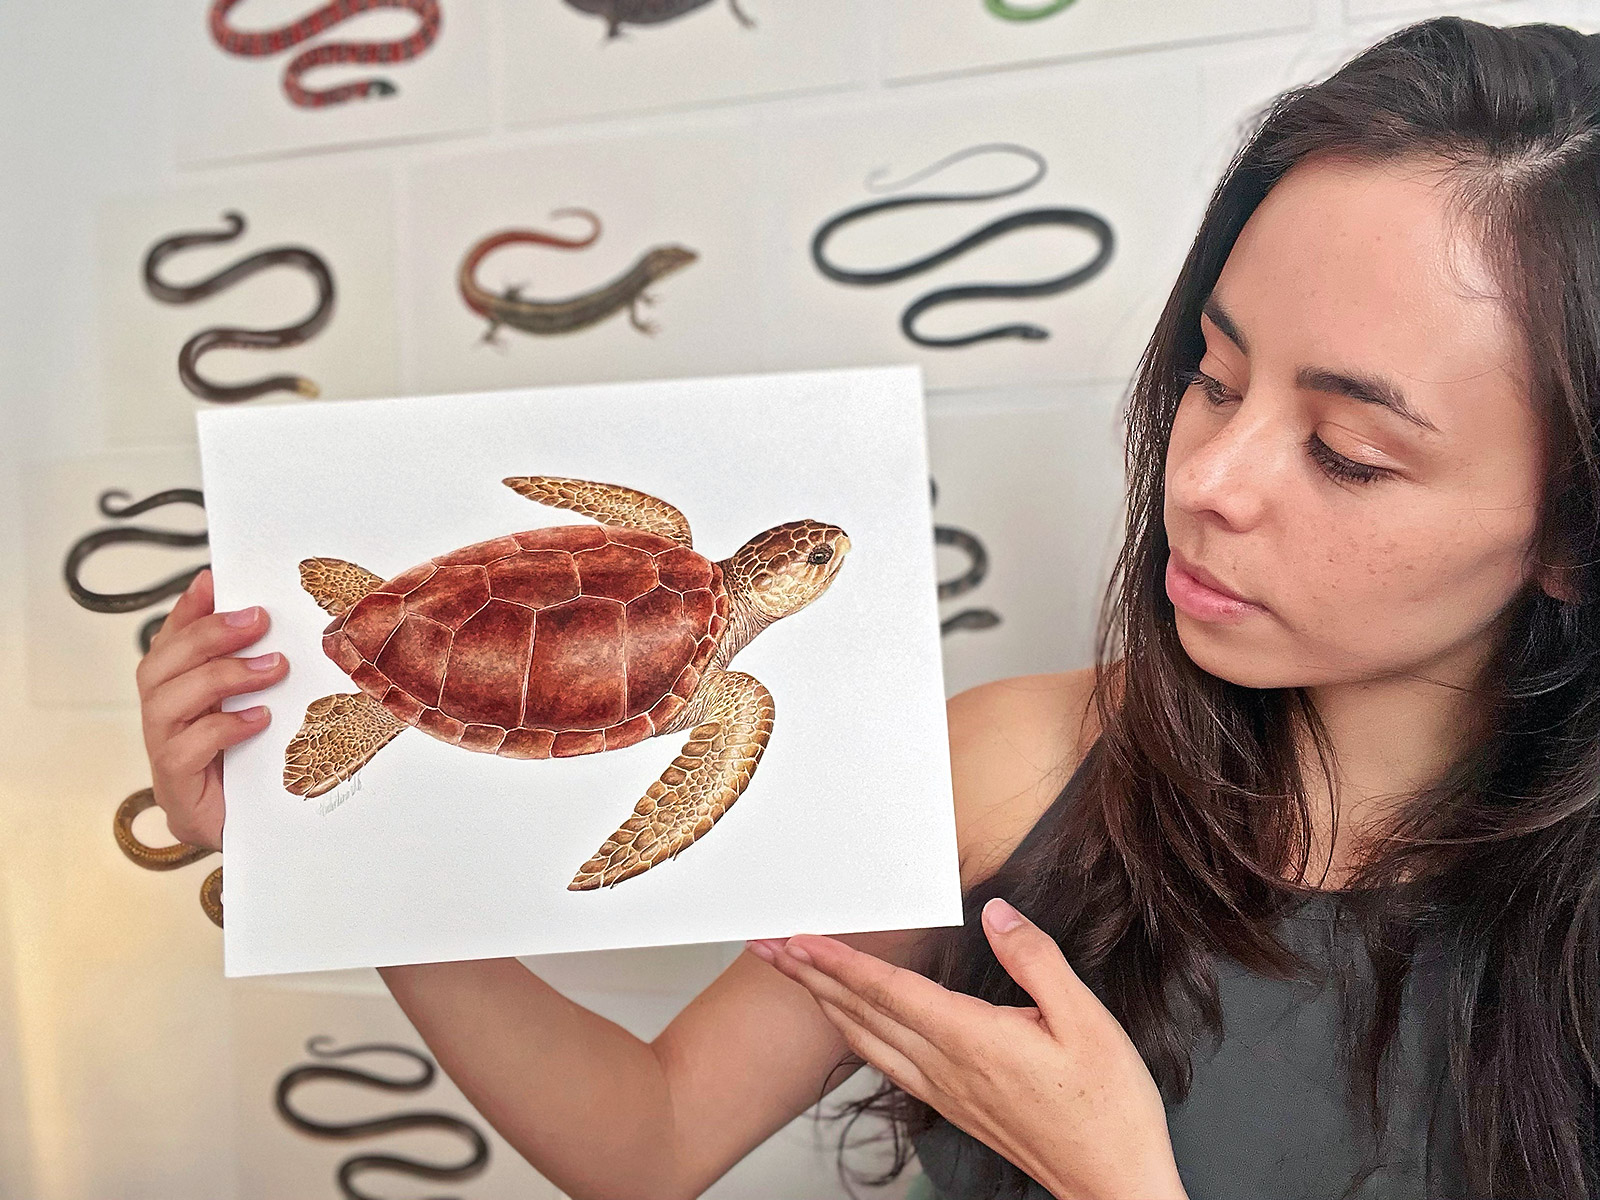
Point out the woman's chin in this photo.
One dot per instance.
(1230, 654)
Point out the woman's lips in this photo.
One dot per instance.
(1187, 590)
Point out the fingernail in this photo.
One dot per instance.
(258, 713)
(796, 951)
(262, 662)
(245, 616)
(1000, 916)
(760, 950)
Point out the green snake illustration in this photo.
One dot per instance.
(1011, 12)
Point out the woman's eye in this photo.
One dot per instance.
(1333, 464)
(1213, 388)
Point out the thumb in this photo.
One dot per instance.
(1032, 958)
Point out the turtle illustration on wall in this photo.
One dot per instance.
(617, 13)
(566, 640)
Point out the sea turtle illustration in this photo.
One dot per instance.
(572, 639)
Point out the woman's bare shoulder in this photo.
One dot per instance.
(1013, 744)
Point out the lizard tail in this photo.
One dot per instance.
(478, 298)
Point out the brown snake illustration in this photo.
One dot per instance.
(118, 505)
(626, 291)
(223, 336)
(257, 43)
(617, 13)
(320, 1046)
(165, 858)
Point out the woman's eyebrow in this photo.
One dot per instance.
(1368, 388)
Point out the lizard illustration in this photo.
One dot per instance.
(626, 291)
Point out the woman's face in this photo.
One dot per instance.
(1401, 560)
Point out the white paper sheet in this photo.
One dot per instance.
(433, 852)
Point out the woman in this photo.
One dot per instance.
(1316, 911)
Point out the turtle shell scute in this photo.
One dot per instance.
(543, 644)
(450, 596)
(479, 553)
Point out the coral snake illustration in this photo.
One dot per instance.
(626, 291)
(119, 505)
(226, 337)
(1078, 217)
(1012, 12)
(255, 44)
(321, 1047)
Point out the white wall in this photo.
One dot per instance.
(118, 1035)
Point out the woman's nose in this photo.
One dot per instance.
(1229, 465)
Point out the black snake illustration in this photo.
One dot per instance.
(119, 505)
(226, 336)
(429, 1119)
(977, 568)
(617, 13)
(1078, 217)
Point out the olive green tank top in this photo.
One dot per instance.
(1266, 1115)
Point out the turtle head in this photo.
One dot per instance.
(779, 572)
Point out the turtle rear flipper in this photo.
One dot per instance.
(338, 737)
(697, 789)
(608, 503)
(335, 584)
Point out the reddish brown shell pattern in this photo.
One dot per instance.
(559, 641)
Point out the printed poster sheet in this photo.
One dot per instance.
(785, 513)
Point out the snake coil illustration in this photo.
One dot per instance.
(165, 858)
(320, 1047)
(119, 505)
(222, 336)
(259, 43)
(1072, 217)
(977, 568)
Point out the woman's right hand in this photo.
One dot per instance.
(189, 670)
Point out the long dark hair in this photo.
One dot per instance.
(1194, 815)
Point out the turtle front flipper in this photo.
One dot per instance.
(608, 503)
(335, 584)
(338, 737)
(701, 784)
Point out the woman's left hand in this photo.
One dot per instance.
(1057, 1088)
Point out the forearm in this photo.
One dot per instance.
(582, 1099)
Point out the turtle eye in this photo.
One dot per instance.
(820, 555)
